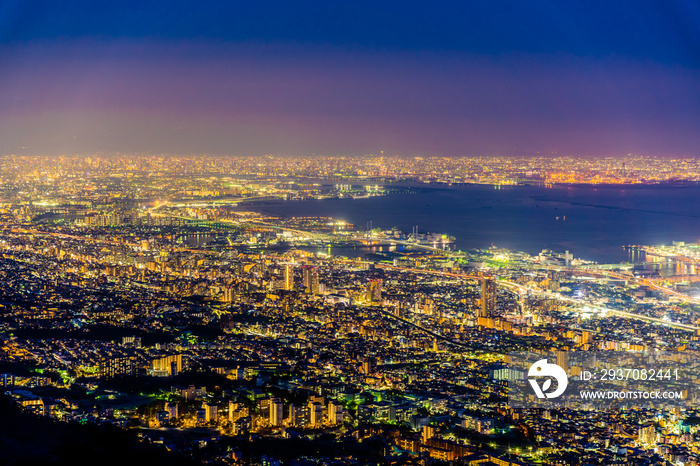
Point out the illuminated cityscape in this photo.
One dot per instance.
(450, 235)
(149, 303)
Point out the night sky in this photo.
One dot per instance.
(346, 78)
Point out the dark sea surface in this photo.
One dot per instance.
(591, 222)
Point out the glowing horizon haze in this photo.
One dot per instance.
(459, 78)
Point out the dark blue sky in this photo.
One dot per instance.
(452, 78)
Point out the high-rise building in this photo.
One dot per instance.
(427, 433)
(488, 297)
(306, 277)
(293, 415)
(210, 412)
(585, 337)
(114, 367)
(315, 415)
(299, 415)
(310, 276)
(276, 412)
(374, 291)
(367, 366)
(563, 360)
(288, 277)
(335, 413)
(167, 365)
(647, 435)
(568, 257)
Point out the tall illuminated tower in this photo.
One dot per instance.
(310, 276)
(288, 277)
(563, 360)
(488, 297)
